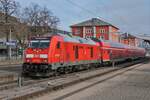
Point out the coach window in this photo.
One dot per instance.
(58, 45)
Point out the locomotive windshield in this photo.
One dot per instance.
(39, 43)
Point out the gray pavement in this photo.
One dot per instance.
(131, 85)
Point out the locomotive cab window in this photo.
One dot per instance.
(58, 45)
(39, 43)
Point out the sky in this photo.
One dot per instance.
(132, 16)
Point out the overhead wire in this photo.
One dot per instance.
(83, 8)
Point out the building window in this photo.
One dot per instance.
(102, 37)
(88, 30)
(102, 30)
(77, 31)
(88, 36)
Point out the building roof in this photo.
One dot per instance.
(127, 35)
(93, 22)
(144, 37)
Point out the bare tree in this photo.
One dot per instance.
(21, 33)
(40, 19)
(47, 19)
(8, 8)
(32, 20)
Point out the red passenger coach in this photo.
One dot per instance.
(113, 51)
(46, 55)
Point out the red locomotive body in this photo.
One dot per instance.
(60, 53)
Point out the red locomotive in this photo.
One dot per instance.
(61, 53)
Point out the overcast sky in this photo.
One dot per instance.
(131, 16)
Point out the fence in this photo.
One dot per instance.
(14, 60)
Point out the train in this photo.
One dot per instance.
(48, 55)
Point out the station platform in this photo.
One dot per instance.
(131, 85)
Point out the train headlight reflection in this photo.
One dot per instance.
(29, 55)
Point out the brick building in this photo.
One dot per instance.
(130, 39)
(96, 28)
(11, 20)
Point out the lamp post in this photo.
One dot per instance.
(8, 41)
(10, 53)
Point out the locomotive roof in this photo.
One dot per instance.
(39, 38)
(116, 44)
(110, 43)
(70, 38)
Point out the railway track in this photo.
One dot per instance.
(39, 87)
(29, 81)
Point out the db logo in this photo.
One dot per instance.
(36, 56)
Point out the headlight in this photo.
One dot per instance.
(29, 55)
(43, 56)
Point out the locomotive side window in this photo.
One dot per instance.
(76, 52)
(91, 52)
(58, 45)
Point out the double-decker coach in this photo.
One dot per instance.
(115, 52)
